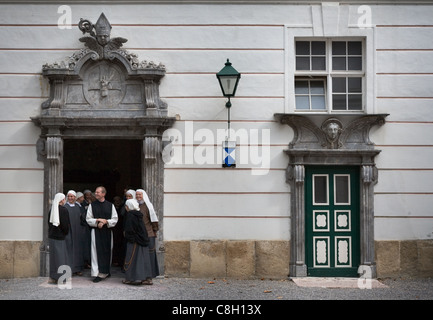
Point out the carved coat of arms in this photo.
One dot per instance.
(104, 85)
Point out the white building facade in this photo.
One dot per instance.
(331, 120)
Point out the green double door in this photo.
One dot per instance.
(332, 221)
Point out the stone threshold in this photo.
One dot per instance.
(337, 282)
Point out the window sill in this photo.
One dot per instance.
(327, 112)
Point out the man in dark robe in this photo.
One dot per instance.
(101, 217)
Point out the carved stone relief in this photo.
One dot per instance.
(103, 76)
(332, 128)
(331, 133)
(104, 85)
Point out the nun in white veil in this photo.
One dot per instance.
(58, 228)
(151, 222)
(74, 239)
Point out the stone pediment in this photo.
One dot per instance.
(103, 79)
(343, 132)
(331, 139)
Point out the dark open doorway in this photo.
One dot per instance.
(113, 163)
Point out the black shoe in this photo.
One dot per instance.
(97, 279)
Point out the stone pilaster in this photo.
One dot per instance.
(368, 180)
(53, 183)
(153, 183)
(296, 176)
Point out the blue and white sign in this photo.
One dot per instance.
(229, 154)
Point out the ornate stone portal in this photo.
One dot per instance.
(102, 92)
(320, 140)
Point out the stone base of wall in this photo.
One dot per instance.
(270, 259)
(19, 259)
(408, 258)
(247, 259)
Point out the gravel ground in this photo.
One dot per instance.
(209, 298)
(82, 288)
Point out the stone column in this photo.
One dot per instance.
(296, 178)
(53, 183)
(368, 180)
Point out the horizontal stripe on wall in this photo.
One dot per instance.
(404, 26)
(149, 49)
(399, 192)
(149, 25)
(400, 217)
(37, 217)
(411, 49)
(142, 37)
(234, 229)
(23, 169)
(226, 217)
(223, 192)
(402, 228)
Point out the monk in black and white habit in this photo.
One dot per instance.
(101, 217)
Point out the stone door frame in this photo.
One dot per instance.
(50, 150)
(102, 92)
(314, 144)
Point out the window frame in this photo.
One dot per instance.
(310, 55)
(329, 74)
(318, 79)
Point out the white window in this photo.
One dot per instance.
(310, 94)
(329, 75)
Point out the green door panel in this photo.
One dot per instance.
(332, 221)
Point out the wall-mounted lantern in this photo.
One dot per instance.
(228, 79)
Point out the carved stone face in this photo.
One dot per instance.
(103, 30)
(333, 130)
(103, 39)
